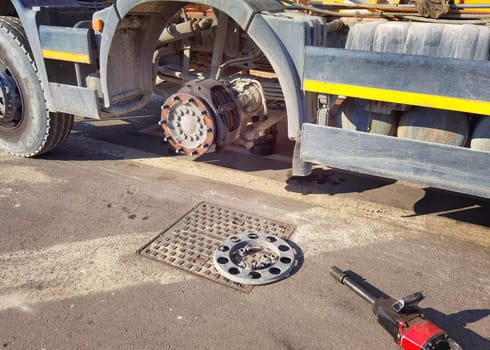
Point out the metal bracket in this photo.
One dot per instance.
(323, 111)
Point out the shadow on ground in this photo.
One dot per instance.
(142, 134)
(455, 325)
(454, 206)
(422, 201)
(333, 181)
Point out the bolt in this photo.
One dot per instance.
(245, 250)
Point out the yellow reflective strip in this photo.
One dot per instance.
(66, 56)
(395, 96)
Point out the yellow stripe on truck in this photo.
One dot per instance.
(66, 56)
(403, 97)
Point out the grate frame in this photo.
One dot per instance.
(189, 244)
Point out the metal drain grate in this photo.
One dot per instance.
(190, 243)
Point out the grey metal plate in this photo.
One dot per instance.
(65, 39)
(399, 72)
(424, 163)
(75, 100)
(190, 243)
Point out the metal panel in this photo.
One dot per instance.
(66, 44)
(455, 84)
(463, 41)
(44, 3)
(75, 100)
(262, 31)
(241, 11)
(447, 167)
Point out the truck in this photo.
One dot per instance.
(393, 89)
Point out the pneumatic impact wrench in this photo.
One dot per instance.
(401, 318)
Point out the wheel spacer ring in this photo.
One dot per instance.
(283, 267)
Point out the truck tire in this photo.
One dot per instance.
(27, 128)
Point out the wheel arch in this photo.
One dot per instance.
(245, 13)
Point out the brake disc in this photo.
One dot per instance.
(254, 259)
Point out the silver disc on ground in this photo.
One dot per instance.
(254, 259)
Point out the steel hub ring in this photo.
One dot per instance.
(188, 124)
(226, 263)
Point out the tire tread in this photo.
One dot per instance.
(58, 125)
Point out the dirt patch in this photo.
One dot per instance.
(11, 174)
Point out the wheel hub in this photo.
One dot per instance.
(187, 124)
(10, 100)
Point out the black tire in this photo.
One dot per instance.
(38, 130)
(264, 145)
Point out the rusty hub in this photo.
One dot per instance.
(188, 124)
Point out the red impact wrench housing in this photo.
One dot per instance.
(401, 318)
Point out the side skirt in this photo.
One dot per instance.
(451, 168)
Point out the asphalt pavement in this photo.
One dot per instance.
(71, 223)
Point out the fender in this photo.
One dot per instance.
(251, 15)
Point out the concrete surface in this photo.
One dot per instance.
(72, 221)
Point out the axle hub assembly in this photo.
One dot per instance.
(188, 124)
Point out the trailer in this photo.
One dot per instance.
(398, 90)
